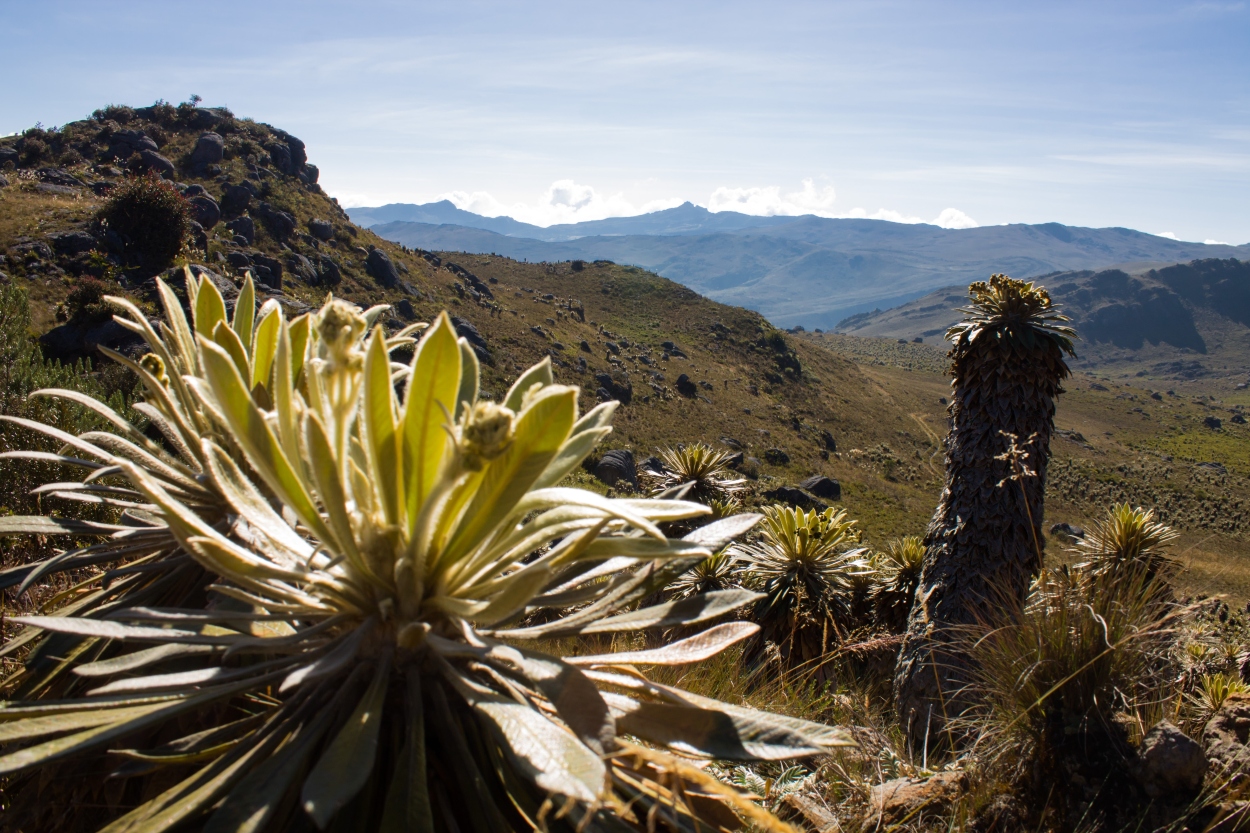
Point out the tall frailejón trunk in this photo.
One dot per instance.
(983, 546)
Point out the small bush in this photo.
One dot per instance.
(152, 219)
(85, 301)
(114, 112)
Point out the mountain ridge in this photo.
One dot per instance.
(815, 271)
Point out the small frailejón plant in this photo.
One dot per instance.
(900, 561)
(1128, 540)
(705, 468)
(356, 654)
(805, 565)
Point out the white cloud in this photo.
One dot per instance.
(1211, 242)
(1169, 235)
(768, 201)
(954, 218)
(564, 201)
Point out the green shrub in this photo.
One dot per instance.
(152, 219)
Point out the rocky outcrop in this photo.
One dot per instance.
(1226, 736)
(465, 329)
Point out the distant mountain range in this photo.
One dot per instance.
(807, 270)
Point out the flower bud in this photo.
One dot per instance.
(487, 433)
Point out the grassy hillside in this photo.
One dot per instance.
(1180, 326)
(876, 402)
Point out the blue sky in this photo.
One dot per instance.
(1098, 114)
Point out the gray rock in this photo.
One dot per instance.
(235, 200)
(209, 149)
(776, 456)
(72, 242)
(379, 266)
(685, 387)
(279, 223)
(153, 161)
(652, 465)
(617, 467)
(205, 211)
(1212, 422)
(238, 260)
(405, 309)
(828, 442)
(4, 181)
(470, 333)
(8, 154)
(268, 270)
(310, 174)
(302, 267)
(1068, 530)
(79, 340)
(321, 229)
(584, 346)
(58, 176)
(822, 486)
(1226, 737)
(795, 497)
(1169, 762)
(124, 143)
(328, 272)
(243, 227)
(613, 348)
(195, 191)
(59, 190)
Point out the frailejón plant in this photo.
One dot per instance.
(360, 656)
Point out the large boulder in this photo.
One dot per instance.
(58, 176)
(912, 799)
(1226, 736)
(321, 229)
(210, 148)
(686, 387)
(795, 497)
(822, 486)
(153, 161)
(205, 211)
(617, 467)
(72, 242)
(235, 200)
(81, 339)
(380, 267)
(1170, 763)
(8, 154)
(125, 143)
